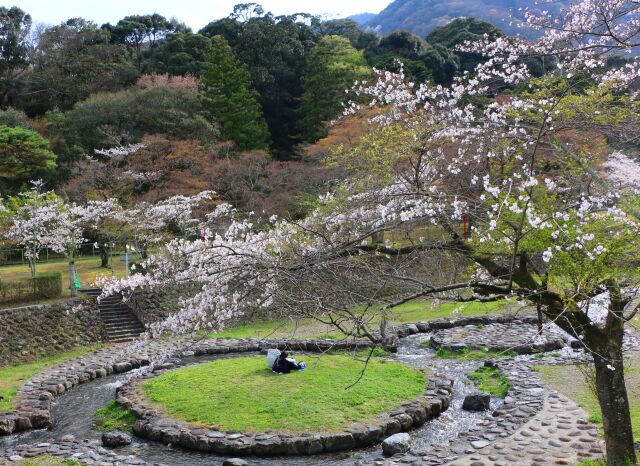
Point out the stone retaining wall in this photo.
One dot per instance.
(33, 331)
(158, 305)
(153, 424)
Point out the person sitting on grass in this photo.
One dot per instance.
(284, 364)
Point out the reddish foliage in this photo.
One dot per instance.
(187, 82)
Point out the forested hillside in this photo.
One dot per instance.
(423, 16)
(232, 108)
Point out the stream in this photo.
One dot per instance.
(73, 412)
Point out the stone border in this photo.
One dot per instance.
(33, 406)
(33, 409)
(154, 425)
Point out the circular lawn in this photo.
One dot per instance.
(241, 394)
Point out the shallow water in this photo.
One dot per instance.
(73, 412)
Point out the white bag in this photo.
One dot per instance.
(272, 357)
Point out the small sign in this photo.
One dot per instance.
(126, 257)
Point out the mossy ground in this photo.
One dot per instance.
(113, 417)
(242, 394)
(47, 460)
(490, 380)
(467, 354)
(11, 377)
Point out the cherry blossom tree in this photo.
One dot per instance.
(31, 222)
(541, 176)
(45, 220)
(149, 223)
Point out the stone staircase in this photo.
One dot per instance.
(118, 318)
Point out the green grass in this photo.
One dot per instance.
(113, 417)
(413, 311)
(88, 269)
(12, 377)
(47, 460)
(570, 381)
(418, 310)
(490, 380)
(599, 463)
(242, 394)
(467, 354)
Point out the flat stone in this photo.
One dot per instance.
(477, 444)
(234, 462)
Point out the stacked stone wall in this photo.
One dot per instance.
(29, 332)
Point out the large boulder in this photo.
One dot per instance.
(476, 402)
(115, 439)
(398, 443)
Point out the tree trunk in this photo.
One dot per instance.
(377, 237)
(72, 281)
(104, 255)
(614, 402)
(540, 317)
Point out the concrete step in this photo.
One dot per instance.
(124, 326)
(121, 340)
(116, 312)
(111, 305)
(119, 318)
(124, 332)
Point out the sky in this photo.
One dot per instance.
(195, 13)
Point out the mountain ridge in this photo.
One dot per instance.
(423, 16)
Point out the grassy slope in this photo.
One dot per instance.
(242, 394)
(570, 381)
(88, 268)
(11, 377)
(412, 311)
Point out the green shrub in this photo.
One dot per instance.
(43, 286)
(47, 285)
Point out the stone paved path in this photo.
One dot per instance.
(559, 434)
(523, 338)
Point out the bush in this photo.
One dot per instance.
(43, 286)
(120, 118)
(14, 118)
(47, 285)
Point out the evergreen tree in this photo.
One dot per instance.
(24, 155)
(230, 100)
(334, 65)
